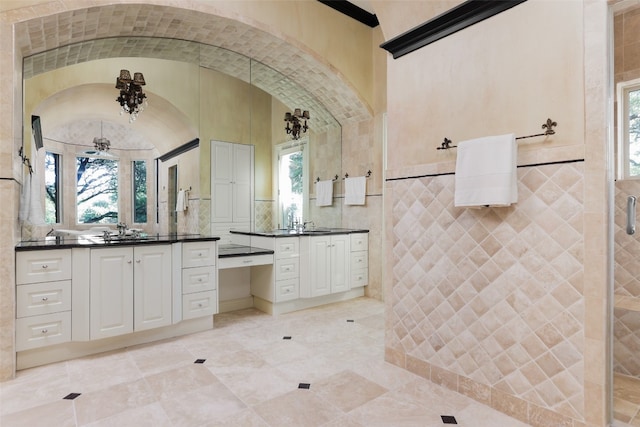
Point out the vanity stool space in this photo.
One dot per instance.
(83, 295)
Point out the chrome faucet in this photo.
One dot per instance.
(304, 225)
(122, 228)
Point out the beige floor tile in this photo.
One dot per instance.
(59, 413)
(96, 405)
(394, 410)
(298, 408)
(158, 357)
(347, 390)
(259, 385)
(34, 387)
(175, 382)
(245, 418)
(101, 371)
(146, 416)
(202, 406)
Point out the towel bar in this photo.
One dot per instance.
(334, 179)
(346, 175)
(549, 125)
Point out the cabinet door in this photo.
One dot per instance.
(111, 291)
(320, 264)
(340, 262)
(152, 286)
(242, 182)
(221, 179)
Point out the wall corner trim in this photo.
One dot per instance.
(458, 18)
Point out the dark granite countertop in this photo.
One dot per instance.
(231, 250)
(59, 242)
(292, 233)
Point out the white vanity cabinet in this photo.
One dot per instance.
(279, 282)
(231, 188)
(326, 262)
(130, 289)
(359, 259)
(43, 298)
(199, 279)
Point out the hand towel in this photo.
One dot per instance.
(182, 201)
(324, 193)
(486, 172)
(355, 190)
(31, 208)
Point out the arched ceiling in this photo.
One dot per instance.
(60, 113)
(102, 26)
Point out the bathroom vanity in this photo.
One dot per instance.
(310, 267)
(83, 295)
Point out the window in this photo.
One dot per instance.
(139, 191)
(292, 184)
(96, 190)
(53, 197)
(629, 129)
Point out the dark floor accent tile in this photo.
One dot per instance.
(286, 338)
(200, 361)
(304, 385)
(71, 396)
(448, 419)
(350, 320)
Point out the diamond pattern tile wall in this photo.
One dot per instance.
(494, 294)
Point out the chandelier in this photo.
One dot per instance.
(294, 122)
(131, 99)
(102, 143)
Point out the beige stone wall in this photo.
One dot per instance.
(508, 306)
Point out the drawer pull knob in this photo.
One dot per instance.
(129, 262)
(138, 261)
(44, 331)
(45, 266)
(45, 299)
(199, 304)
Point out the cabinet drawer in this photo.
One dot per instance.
(287, 290)
(198, 254)
(359, 260)
(198, 279)
(244, 261)
(43, 266)
(287, 269)
(287, 247)
(43, 298)
(359, 278)
(359, 242)
(41, 331)
(199, 304)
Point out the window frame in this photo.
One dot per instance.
(133, 190)
(289, 148)
(59, 167)
(623, 143)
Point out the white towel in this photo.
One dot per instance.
(486, 172)
(355, 190)
(31, 208)
(182, 201)
(324, 193)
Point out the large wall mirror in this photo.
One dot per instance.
(195, 92)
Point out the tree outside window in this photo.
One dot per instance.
(96, 190)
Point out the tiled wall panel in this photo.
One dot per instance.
(493, 296)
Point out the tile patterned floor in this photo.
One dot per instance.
(250, 377)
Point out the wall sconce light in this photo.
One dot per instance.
(294, 122)
(131, 99)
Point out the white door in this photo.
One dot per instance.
(221, 179)
(152, 286)
(340, 263)
(111, 292)
(320, 264)
(242, 183)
